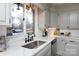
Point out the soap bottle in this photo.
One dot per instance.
(45, 32)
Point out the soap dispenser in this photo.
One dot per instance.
(45, 32)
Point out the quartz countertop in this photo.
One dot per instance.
(18, 50)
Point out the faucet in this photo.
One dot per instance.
(28, 38)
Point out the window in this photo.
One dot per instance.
(17, 17)
(29, 16)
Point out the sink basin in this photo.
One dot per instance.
(34, 44)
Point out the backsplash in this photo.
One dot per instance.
(13, 40)
(73, 32)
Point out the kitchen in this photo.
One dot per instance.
(39, 29)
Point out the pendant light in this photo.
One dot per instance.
(29, 6)
(18, 6)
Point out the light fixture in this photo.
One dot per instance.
(18, 6)
(29, 6)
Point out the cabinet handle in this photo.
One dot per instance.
(62, 40)
(72, 41)
(65, 43)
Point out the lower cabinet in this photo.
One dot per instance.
(71, 47)
(67, 46)
(60, 46)
(46, 51)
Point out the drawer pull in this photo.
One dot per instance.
(72, 41)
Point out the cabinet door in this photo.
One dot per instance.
(8, 14)
(41, 19)
(60, 46)
(2, 13)
(53, 19)
(78, 20)
(63, 19)
(73, 20)
(71, 48)
(47, 20)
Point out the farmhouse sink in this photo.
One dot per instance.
(34, 44)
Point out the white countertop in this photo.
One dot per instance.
(17, 50)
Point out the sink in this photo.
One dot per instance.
(34, 44)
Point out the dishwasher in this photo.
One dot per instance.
(54, 47)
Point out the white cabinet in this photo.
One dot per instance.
(63, 20)
(68, 19)
(78, 20)
(47, 18)
(60, 46)
(71, 47)
(53, 19)
(4, 13)
(68, 46)
(41, 19)
(46, 51)
(8, 14)
(73, 20)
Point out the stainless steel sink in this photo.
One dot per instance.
(34, 44)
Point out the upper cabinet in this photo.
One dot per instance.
(51, 18)
(41, 19)
(42, 15)
(74, 20)
(4, 13)
(8, 14)
(63, 20)
(68, 20)
(47, 17)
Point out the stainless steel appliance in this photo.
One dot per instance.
(54, 47)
